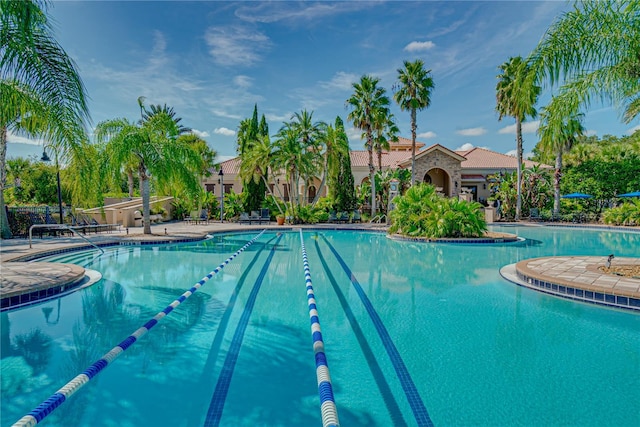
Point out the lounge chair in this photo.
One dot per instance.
(332, 217)
(204, 216)
(343, 217)
(534, 215)
(265, 216)
(356, 216)
(255, 216)
(244, 218)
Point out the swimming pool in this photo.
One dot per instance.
(477, 349)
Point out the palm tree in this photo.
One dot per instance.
(414, 93)
(385, 130)
(558, 133)
(153, 142)
(593, 50)
(42, 93)
(516, 96)
(366, 102)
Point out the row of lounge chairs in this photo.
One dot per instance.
(344, 217)
(256, 217)
(47, 225)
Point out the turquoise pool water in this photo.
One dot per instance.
(479, 350)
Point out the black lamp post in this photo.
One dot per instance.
(45, 158)
(221, 175)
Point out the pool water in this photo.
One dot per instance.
(479, 350)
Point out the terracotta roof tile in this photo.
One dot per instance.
(481, 158)
(360, 158)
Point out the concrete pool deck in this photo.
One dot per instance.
(563, 274)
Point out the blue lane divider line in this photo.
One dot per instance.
(50, 404)
(328, 408)
(411, 392)
(378, 375)
(214, 414)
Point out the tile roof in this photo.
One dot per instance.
(360, 158)
(231, 166)
(481, 158)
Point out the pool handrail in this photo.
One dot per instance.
(62, 227)
(325, 389)
(49, 405)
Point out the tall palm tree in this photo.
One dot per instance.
(385, 130)
(413, 94)
(312, 137)
(42, 93)
(516, 96)
(153, 142)
(593, 51)
(366, 102)
(558, 133)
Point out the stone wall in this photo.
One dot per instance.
(438, 159)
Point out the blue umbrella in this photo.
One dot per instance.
(632, 194)
(577, 196)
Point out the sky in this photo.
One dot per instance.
(212, 61)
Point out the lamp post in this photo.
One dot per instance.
(221, 175)
(45, 158)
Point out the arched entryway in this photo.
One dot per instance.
(440, 179)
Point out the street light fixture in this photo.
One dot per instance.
(45, 158)
(221, 175)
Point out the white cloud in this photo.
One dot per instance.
(199, 133)
(243, 81)
(591, 133)
(301, 13)
(465, 147)
(272, 117)
(527, 127)
(514, 153)
(426, 135)
(224, 131)
(222, 113)
(511, 153)
(236, 45)
(472, 131)
(354, 134)
(341, 81)
(419, 46)
(632, 130)
(23, 140)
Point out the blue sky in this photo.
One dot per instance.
(213, 60)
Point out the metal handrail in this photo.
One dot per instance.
(378, 219)
(62, 227)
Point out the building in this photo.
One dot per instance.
(453, 173)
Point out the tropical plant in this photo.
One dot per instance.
(384, 130)
(42, 93)
(368, 103)
(593, 51)
(415, 85)
(558, 134)
(627, 213)
(420, 212)
(516, 96)
(232, 205)
(154, 144)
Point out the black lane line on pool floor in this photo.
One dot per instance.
(214, 349)
(214, 414)
(385, 390)
(409, 387)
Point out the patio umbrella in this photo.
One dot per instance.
(632, 194)
(577, 196)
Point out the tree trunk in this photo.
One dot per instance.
(4, 220)
(372, 176)
(145, 193)
(130, 182)
(556, 184)
(519, 169)
(266, 184)
(413, 146)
